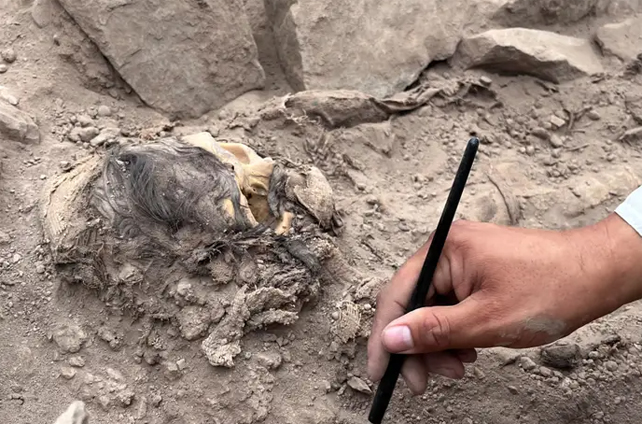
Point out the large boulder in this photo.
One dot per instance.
(542, 54)
(375, 47)
(623, 39)
(182, 58)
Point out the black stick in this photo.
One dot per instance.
(418, 299)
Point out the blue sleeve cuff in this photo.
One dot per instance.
(631, 210)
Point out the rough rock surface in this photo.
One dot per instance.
(183, 58)
(17, 125)
(542, 54)
(623, 39)
(329, 45)
(75, 414)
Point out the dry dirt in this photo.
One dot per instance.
(553, 156)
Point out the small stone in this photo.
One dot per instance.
(561, 355)
(512, 389)
(171, 371)
(479, 373)
(611, 366)
(359, 385)
(542, 133)
(181, 364)
(545, 372)
(327, 387)
(270, 360)
(16, 258)
(87, 134)
(68, 373)
(485, 80)
(556, 141)
(40, 268)
(9, 55)
(530, 150)
(75, 414)
(527, 363)
(557, 122)
(43, 177)
(65, 165)
(69, 337)
(335, 315)
(85, 120)
(156, 400)
(594, 115)
(3, 68)
(125, 397)
(104, 110)
(76, 361)
(104, 401)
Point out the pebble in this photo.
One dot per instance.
(40, 268)
(527, 363)
(69, 337)
(545, 372)
(530, 150)
(594, 115)
(104, 110)
(76, 361)
(3, 68)
(561, 355)
(335, 315)
(86, 134)
(85, 120)
(557, 122)
(9, 55)
(485, 80)
(479, 373)
(512, 389)
(359, 385)
(540, 132)
(270, 360)
(156, 400)
(556, 141)
(68, 373)
(611, 366)
(65, 165)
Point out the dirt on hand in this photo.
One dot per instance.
(223, 267)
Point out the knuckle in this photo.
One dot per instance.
(435, 332)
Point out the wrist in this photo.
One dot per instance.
(613, 261)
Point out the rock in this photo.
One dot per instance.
(75, 414)
(69, 337)
(76, 361)
(556, 141)
(112, 337)
(106, 135)
(85, 120)
(593, 115)
(557, 122)
(359, 385)
(87, 134)
(329, 45)
(68, 373)
(42, 12)
(184, 59)
(104, 110)
(40, 268)
(545, 372)
(156, 400)
(527, 363)
(541, 54)
(9, 55)
(621, 39)
(172, 372)
(17, 125)
(193, 322)
(270, 360)
(611, 366)
(561, 355)
(3, 68)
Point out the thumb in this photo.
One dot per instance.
(437, 328)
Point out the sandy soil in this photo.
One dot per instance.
(390, 179)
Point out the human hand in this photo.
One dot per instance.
(511, 287)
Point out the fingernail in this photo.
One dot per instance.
(398, 339)
(447, 372)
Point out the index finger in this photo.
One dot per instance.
(391, 304)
